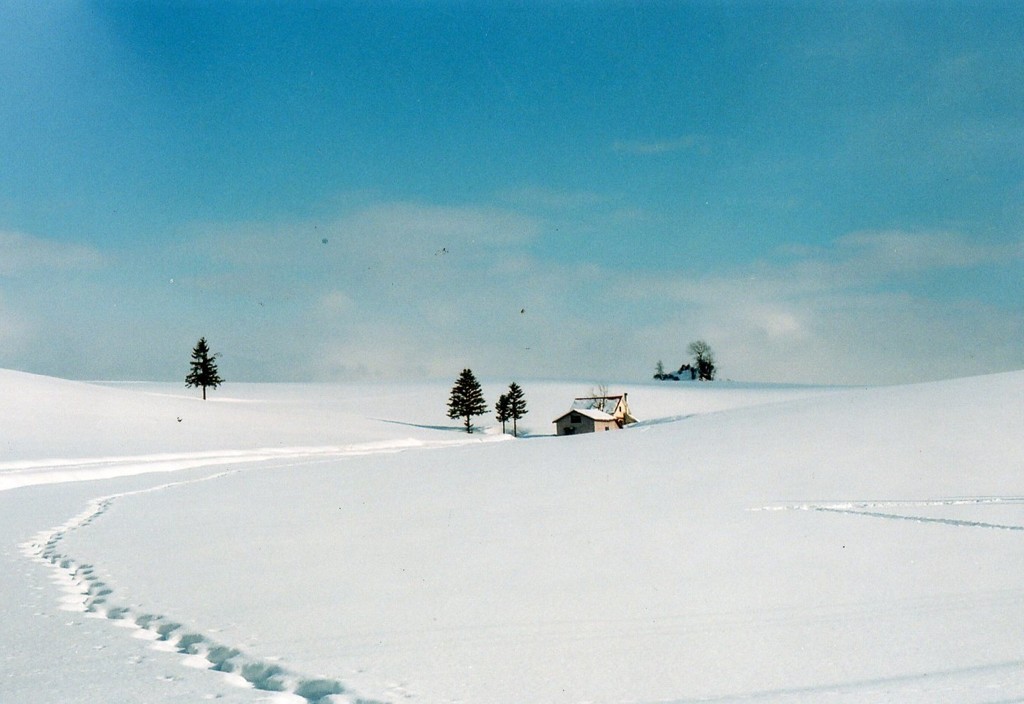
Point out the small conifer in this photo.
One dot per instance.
(517, 406)
(467, 399)
(203, 368)
(503, 411)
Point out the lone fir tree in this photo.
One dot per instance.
(516, 405)
(503, 412)
(203, 368)
(467, 399)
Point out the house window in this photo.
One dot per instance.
(575, 419)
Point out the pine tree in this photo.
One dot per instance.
(517, 405)
(203, 368)
(503, 411)
(467, 399)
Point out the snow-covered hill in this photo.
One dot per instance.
(742, 543)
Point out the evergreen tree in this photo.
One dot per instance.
(517, 405)
(503, 411)
(467, 399)
(203, 368)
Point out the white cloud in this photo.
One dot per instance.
(337, 302)
(15, 331)
(20, 253)
(389, 234)
(885, 252)
(854, 260)
(414, 224)
(842, 314)
(411, 290)
(821, 315)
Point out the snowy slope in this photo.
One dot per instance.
(56, 430)
(742, 544)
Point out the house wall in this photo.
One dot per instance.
(565, 426)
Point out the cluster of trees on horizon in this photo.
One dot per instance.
(467, 397)
(467, 400)
(702, 368)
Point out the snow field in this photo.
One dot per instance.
(780, 545)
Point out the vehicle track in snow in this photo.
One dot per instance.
(84, 592)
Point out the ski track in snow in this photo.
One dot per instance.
(18, 474)
(877, 689)
(85, 593)
(922, 519)
(862, 508)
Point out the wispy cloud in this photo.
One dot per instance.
(20, 253)
(866, 258)
(665, 146)
(405, 289)
(853, 261)
(14, 329)
(399, 289)
(838, 314)
(418, 224)
(390, 232)
(899, 251)
(846, 313)
(551, 199)
(336, 302)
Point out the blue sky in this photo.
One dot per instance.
(825, 192)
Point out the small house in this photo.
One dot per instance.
(687, 372)
(594, 414)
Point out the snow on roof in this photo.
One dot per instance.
(591, 413)
(595, 414)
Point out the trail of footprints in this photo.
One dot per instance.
(86, 593)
